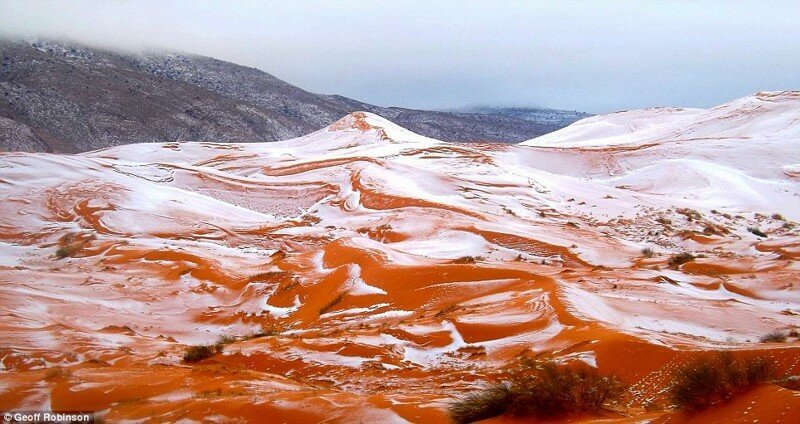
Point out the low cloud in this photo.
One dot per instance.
(592, 56)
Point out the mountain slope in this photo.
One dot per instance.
(553, 118)
(58, 97)
(367, 273)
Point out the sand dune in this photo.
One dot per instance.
(387, 273)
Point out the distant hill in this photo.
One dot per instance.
(554, 118)
(60, 97)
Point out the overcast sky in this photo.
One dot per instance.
(594, 56)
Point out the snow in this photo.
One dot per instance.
(432, 356)
(446, 244)
(766, 114)
(387, 199)
(358, 286)
(11, 255)
(279, 312)
(616, 128)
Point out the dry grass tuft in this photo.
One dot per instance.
(201, 352)
(680, 259)
(773, 337)
(542, 390)
(703, 382)
(335, 301)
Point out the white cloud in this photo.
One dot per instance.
(595, 56)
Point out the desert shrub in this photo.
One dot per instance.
(777, 217)
(262, 333)
(756, 231)
(664, 220)
(68, 250)
(447, 310)
(773, 337)
(468, 259)
(690, 214)
(791, 382)
(680, 259)
(200, 352)
(711, 229)
(335, 301)
(483, 404)
(71, 243)
(703, 382)
(648, 252)
(540, 390)
(225, 339)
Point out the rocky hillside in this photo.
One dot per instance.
(554, 118)
(56, 97)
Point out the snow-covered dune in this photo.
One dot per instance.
(358, 270)
(762, 115)
(735, 157)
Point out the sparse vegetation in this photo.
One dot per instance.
(328, 306)
(68, 250)
(704, 382)
(201, 352)
(540, 390)
(468, 259)
(225, 339)
(663, 220)
(756, 231)
(773, 337)
(690, 214)
(680, 259)
(777, 217)
(71, 243)
(56, 373)
(483, 404)
(648, 252)
(447, 310)
(261, 333)
(711, 229)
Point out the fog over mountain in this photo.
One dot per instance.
(64, 97)
(598, 57)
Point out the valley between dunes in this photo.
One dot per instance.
(364, 273)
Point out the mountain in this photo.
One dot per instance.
(553, 119)
(58, 97)
(366, 273)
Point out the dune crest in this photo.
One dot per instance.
(364, 272)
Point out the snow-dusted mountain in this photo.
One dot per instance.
(554, 118)
(60, 97)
